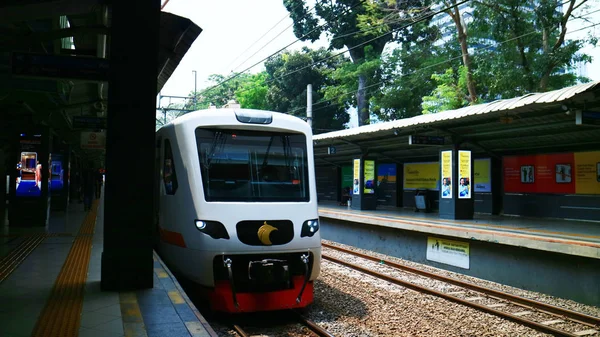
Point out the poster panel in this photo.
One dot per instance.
(29, 168)
(451, 252)
(56, 173)
(587, 172)
(369, 177)
(446, 174)
(356, 184)
(347, 178)
(386, 173)
(386, 184)
(464, 174)
(482, 175)
(545, 173)
(421, 175)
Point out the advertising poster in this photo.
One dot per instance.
(561, 173)
(464, 174)
(369, 177)
(421, 175)
(29, 169)
(451, 252)
(356, 176)
(57, 173)
(386, 184)
(482, 175)
(587, 172)
(446, 174)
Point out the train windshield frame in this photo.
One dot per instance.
(253, 166)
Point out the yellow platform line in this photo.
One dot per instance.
(62, 314)
(14, 258)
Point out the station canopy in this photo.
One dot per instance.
(557, 121)
(71, 41)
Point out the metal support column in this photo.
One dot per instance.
(128, 209)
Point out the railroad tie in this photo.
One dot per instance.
(497, 305)
(523, 313)
(554, 321)
(585, 332)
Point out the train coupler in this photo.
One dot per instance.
(227, 262)
(304, 259)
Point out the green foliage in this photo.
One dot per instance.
(364, 27)
(220, 94)
(252, 93)
(449, 94)
(290, 73)
(520, 50)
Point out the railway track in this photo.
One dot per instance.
(537, 315)
(313, 327)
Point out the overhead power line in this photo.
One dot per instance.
(266, 58)
(434, 65)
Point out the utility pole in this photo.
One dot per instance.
(309, 104)
(195, 82)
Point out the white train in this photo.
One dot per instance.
(236, 207)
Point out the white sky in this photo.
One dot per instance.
(231, 26)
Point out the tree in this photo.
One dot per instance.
(218, 94)
(287, 93)
(252, 92)
(525, 46)
(360, 25)
(448, 95)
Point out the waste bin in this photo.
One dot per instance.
(421, 201)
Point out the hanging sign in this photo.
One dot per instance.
(446, 174)
(93, 140)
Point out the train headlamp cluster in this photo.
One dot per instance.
(214, 229)
(309, 228)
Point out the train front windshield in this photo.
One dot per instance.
(253, 166)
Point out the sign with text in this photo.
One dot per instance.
(369, 177)
(356, 183)
(59, 66)
(482, 175)
(421, 175)
(451, 252)
(561, 173)
(464, 174)
(93, 140)
(446, 174)
(89, 122)
(426, 140)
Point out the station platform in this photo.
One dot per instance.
(50, 286)
(579, 238)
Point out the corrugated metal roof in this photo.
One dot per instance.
(500, 105)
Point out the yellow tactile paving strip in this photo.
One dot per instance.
(14, 258)
(62, 314)
(199, 328)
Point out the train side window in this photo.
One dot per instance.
(169, 173)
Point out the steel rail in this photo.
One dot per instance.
(313, 326)
(532, 324)
(544, 307)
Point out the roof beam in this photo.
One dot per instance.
(459, 139)
(45, 9)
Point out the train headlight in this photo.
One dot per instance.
(200, 224)
(214, 229)
(309, 228)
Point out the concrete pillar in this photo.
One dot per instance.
(128, 209)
